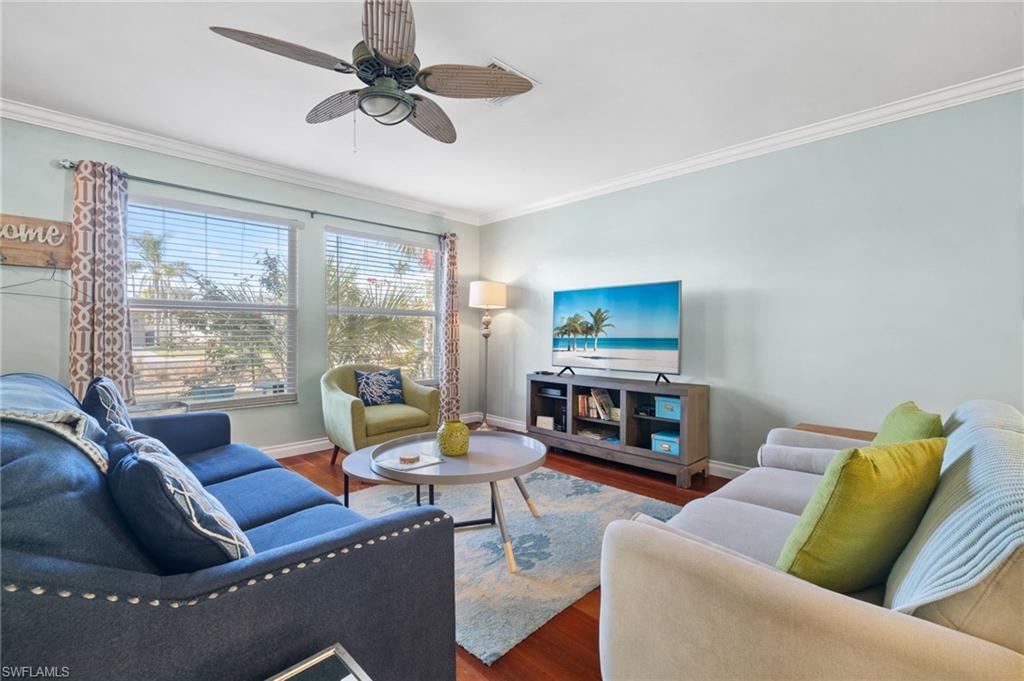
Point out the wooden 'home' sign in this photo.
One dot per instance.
(33, 242)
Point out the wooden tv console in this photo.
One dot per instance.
(633, 429)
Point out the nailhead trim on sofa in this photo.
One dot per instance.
(135, 600)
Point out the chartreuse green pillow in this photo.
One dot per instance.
(908, 422)
(867, 506)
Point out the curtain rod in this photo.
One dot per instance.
(311, 212)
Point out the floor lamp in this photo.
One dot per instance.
(486, 296)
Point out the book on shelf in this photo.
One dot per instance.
(603, 402)
(591, 407)
(597, 405)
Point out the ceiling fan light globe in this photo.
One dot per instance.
(385, 102)
(398, 114)
(376, 106)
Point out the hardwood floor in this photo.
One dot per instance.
(564, 649)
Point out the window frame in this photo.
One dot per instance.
(390, 312)
(290, 309)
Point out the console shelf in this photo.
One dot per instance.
(587, 419)
(629, 439)
(645, 417)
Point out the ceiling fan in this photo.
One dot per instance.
(385, 59)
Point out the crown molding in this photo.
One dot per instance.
(954, 95)
(87, 127)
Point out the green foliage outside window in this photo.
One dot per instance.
(209, 354)
(382, 311)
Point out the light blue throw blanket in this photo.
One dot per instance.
(39, 405)
(975, 520)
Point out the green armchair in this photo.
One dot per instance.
(351, 425)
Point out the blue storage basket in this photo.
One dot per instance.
(667, 408)
(665, 442)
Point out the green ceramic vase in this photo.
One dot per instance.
(453, 438)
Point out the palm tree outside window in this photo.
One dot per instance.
(212, 304)
(382, 303)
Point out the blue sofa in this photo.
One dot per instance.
(80, 592)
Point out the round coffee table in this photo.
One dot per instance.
(492, 456)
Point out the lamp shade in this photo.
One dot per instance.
(488, 295)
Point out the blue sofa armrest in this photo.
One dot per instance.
(383, 588)
(187, 433)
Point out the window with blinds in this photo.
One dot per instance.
(212, 303)
(382, 305)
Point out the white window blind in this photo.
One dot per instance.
(382, 303)
(212, 302)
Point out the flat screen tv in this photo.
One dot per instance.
(626, 328)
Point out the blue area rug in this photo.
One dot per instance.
(558, 554)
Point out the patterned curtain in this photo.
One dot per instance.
(449, 375)
(100, 325)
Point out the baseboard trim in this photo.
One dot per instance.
(726, 470)
(295, 448)
(499, 421)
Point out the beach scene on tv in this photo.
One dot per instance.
(629, 328)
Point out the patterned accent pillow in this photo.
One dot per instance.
(184, 527)
(380, 387)
(104, 403)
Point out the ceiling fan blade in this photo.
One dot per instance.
(431, 120)
(334, 106)
(389, 30)
(286, 49)
(459, 80)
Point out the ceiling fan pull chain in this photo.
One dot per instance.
(354, 149)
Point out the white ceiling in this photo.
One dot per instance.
(624, 87)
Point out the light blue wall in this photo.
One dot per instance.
(34, 332)
(825, 283)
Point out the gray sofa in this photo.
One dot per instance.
(699, 597)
